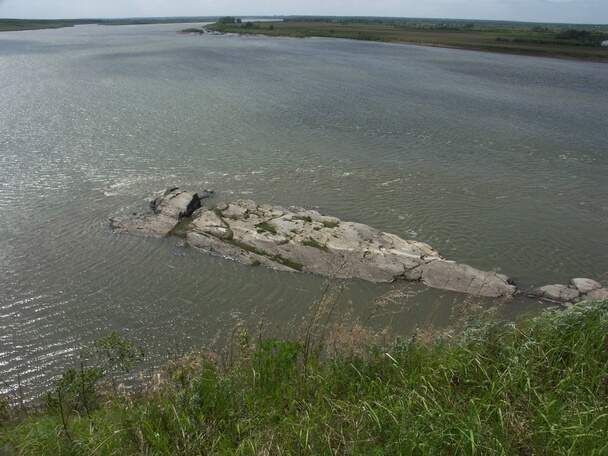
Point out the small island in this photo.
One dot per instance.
(300, 240)
(295, 239)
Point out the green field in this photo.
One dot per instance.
(11, 25)
(553, 40)
(535, 387)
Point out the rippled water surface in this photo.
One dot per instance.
(497, 161)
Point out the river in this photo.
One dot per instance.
(498, 161)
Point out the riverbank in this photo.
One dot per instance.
(511, 38)
(15, 25)
(538, 386)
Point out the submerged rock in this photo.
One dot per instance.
(461, 277)
(580, 289)
(297, 239)
(585, 285)
(558, 292)
(600, 294)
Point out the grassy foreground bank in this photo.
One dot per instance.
(539, 386)
(550, 40)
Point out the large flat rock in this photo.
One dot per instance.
(304, 240)
(301, 240)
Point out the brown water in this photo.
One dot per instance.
(497, 161)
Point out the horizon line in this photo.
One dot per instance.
(280, 16)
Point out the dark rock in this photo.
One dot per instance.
(168, 209)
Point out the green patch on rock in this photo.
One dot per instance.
(246, 247)
(310, 242)
(287, 262)
(276, 258)
(330, 224)
(266, 227)
(305, 218)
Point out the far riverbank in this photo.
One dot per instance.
(580, 42)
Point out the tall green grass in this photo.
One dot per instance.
(535, 387)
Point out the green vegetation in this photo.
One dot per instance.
(277, 258)
(553, 40)
(246, 247)
(329, 224)
(536, 387)
(10, 25)
(289, 263)
(228, 20)
(310, 242)
(200, 31)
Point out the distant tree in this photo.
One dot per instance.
(227, 20)
(248, 24)
(239, 20)
(583, 37)
(573, 34)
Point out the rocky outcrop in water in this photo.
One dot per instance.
(579, 289)
(167, 211)
(297, 239)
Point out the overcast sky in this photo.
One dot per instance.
(583, 11)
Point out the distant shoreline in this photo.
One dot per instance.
(558, 42)
(573, 42)
(16, 25)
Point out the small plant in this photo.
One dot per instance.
(228, 20)
(116, 354)
(276, 362)
(75, 391)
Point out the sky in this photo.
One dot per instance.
(573, 11)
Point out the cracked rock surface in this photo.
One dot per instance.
(297, 239)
